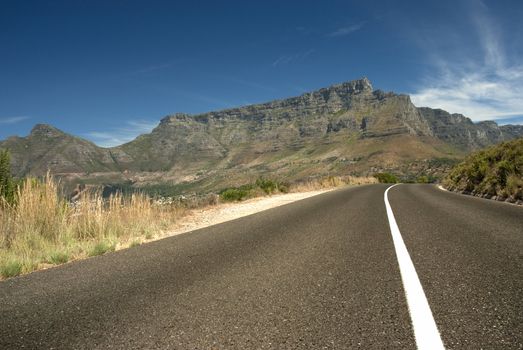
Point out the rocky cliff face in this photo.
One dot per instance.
(344, 109)
(346, 128)
(460, 131)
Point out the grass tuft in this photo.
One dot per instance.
(135, 243)
(11, 268)
(58, 257)
(101, 248)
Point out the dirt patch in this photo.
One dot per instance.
(200, 218)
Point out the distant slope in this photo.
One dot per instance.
(461, 132)
(347, 128)
(49, 148)
(494, 172)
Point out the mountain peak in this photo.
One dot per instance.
(363, 84)
(354, 86)
(46, 130)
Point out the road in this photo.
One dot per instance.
(321, 273)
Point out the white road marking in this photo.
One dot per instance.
(425, 329)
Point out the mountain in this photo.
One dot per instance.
(347, 128)
(47, 147)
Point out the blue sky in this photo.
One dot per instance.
(110, 70)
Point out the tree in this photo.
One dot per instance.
(7, 184)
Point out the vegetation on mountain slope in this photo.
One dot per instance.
(495, 172)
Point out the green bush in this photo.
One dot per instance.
(495, 171)
(101, 247)
(58, 258)
(386, 178)
(11, 269)
(267, 186)
(426, 179)
(259, 187)
(234, 194)
(7, 183)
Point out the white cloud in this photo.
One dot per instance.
(286, 59)
(13, 120)
(117, 136)
(344, 31)
(485, 89)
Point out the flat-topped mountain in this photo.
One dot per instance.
(347, 128)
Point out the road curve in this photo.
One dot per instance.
(320, 273)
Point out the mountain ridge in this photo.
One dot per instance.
(345, 128)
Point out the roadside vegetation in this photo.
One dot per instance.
(495, 172)
(264, 186)
(386, 178)
(40, 228)
(259, 188)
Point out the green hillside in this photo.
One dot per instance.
(496, 171)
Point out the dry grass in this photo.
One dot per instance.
(43, 228)
(331, 182)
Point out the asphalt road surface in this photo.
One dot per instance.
(321, 273)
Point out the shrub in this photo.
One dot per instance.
(267, 186)
(11, 268)
(386, 178)
(7, 183)
(58, 257)
(259, 187)
(101, 248)
(284, 187)
(495, 171)
(423, 179)
(234, 194)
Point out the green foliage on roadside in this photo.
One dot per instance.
(386, 178)
(235, 194)
(7, 183)
(495, 171)
(102, 247)
(259, 187)
(11, 269)
(267, 186)
(58, 257)
(426, 179)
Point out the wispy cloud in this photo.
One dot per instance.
(486, 88)
(13, 120)
(120, 135)
(288, 58)
(346, 30)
